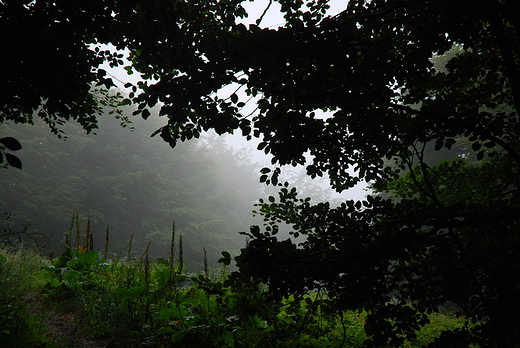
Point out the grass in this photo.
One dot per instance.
(21, 274)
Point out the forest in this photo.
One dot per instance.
(124, 181)
(417, 98)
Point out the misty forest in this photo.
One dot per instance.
(187, 173)
(130, 183)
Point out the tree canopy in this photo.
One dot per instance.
(450, 234)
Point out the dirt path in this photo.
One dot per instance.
(63, 328)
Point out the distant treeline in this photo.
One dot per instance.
(133, 184)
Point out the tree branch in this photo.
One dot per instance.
(484, 134)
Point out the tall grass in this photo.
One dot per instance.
(21, 277)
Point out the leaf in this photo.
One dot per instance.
(476, 146)
(133, 292)
(228, 338)
(13, 161)
(165, 330)
(11, 143)
(450, 142)
(178, 337)
(146, 113)
(438, 144)
(54, 282)
(234, 98)
(262, 145)
(225, 259)
(125, 101)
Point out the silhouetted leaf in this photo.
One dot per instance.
(439, 143)
(13, 160)
(10, 143)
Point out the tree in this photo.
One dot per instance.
(50, 71)
(453, 226)
(56, 48)
(453, 233)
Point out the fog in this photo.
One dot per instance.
(271, 18)
(135, 185)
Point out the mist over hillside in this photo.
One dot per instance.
(132, 183)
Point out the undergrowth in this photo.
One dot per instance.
(136, 302)
(21, 275)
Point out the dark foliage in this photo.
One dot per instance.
(451, 233)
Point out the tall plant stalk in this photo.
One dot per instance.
(107, 237)
(130, 248)
(181, 258)
(145, 251)
(172, 251)
(89, 242)
(68, 235)
(129, 261)
(78, 236)
(206, 272)
(147, 283)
